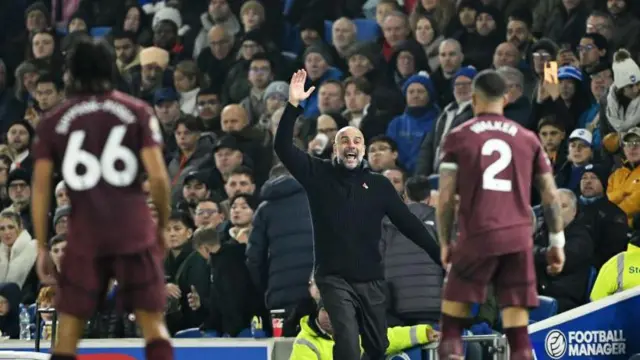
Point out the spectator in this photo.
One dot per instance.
(454, 114)
(195, 189)
(49, 92)
(19, 138)
(594, 51)
(5, 164)
(426, 33)
(18, 253)
(209, 106)
(564, 25)
(280, 251)
(37, 17)
(542, 51)
(331, 97)
(61, 220)
(327, 126)
(252, 16)
(518, 106)
(601, 80)
(46, 50)
(167, 29)
(568, 287)
(552, 135)
(153, 61)
(9, 109)
(606, 222)
(239, 181)
(78, 22)
(135, 20)
(451, 58)
(218, 60)
(382, 153)
(568, 99)
(409, 129)
(625, 25)
(506, 54)
(193, 150)
(362, 59)
(46, 300)
(357, 98)
(441, 11)
(208, 214)
(237, 85)
(226, 157)
(317, 62)
(19, 184)
(519, 26)
(241, 209)
(622, 101)
(488, 33)
(397, 177)
(188, 81)
(10, 310)
(580, 154)
(102, 12)
(127, 53)
(57, 244)
(261, 73)
(311, 31)
(384, 8)
(622, 189)
(25, 90)
(464, 22)
(218, 14)
(414, 294)
(601, 22)
(343, 36)
(275, 97)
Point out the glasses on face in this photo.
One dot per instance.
(585, 48)
(461, 84)
(17, 186)
(260, 70)
(632, 143)
(207, 212)
(542, 55)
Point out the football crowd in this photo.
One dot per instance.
(216, 73)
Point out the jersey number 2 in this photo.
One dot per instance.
(103, 168)
(489, 181)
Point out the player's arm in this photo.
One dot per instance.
(550, 203)
(41, 199)
(153, 162)
(446, 207)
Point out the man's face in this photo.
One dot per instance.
(616, 7)
(467, 17)
(567, 89)
(326, 125)
(36, 21)
(579, 152)
(185, 138)
(240, 212)
(233, 120)
(518, 33)
(151, 76)
(62, 197)
(125, 50)
(47, 96)
(406, 64)
(18, 138)
(274, 102)
(219, 43)
(57, 252)
(514, 90)
(355, 99)
(417, 95)
(315, 65)
(462, 89)
(260, 74)
(208, 215)
(567, 209)
(164, 35)
(551, 138)
(227, 160)
(194, 191)
(395, 30)
(450, 57)
(540, 57)
(381, 157)
(20, 192)
(600, 25)
(589, 52)
(309, 36)
(382, 10)
(600, 82)
(77, 24)
(349, 147)
(631, 148)
(239, 183)
(168, 112)
(62, 225)
(485, 24)
(343, 33)
(330, 98)
(590, 185)
(397, 179)
(176, 234)
(219, 9)
(506, 54)
(209, 106)
(359, 65)
(43, 45)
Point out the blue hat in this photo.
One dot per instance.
(466, 71)
(422, 78)
(165, 94)
(569, 72)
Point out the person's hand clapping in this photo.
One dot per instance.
(193, 298)
(297, 93)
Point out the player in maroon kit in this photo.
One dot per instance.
(100, 141)
(491, 162)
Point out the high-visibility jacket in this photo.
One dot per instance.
(621, 272)
(309, 345)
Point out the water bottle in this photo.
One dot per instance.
(25, 323)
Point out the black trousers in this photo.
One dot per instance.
(355, 309)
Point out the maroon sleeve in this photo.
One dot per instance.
(542, 164)
(150, 128)
(448, 148)
(43, 142)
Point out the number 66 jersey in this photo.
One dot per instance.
(496, 160)
(95, 144)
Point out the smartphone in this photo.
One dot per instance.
(551, 72)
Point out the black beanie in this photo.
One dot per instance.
(600, 172)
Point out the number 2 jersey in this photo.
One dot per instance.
(95, 144)
(497, 160)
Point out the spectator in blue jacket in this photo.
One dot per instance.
(420, 115)
(280, 248)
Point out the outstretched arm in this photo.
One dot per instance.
(446, 207)
(295, 160)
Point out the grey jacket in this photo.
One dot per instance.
(414, 279)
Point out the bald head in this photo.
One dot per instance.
(220, 41)
(349, 131)
(349, 147)
(233, 118)
(450, 56)
(343, 33)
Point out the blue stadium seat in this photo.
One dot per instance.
(367, 30)
(548, 308)
(189, 334)
(100, 31)
(593, 274)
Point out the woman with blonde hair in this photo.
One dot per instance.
(18, 252)
(188, 80)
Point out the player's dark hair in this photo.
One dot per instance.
(278, 170)
(46, 78)
(119, 34)
(192, 123)
(57, 240)
(242, 170)
(251, 200)
(183, 217)
(490, 85)
(385, 139)
(92, 67)
(206, 236)
(13, 216)
(417, 188)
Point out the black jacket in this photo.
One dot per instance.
(520, 112)
(280, 248)
(414, 279)
(233, 300)
(608, 226)
(569, 288)
(347, 208)
(195, 272)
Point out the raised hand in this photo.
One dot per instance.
(296, 88)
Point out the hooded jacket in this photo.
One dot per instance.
(420, 60)
(280, 248)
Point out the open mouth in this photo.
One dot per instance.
(350, 155)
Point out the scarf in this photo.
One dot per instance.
(589, 201)
(620, 119)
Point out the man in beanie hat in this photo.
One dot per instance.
(318, 63)
(362, 58)
(275, 97)
(19, 138)
(311, 29)
(409, 129)
(60, 218)
(37, 17)
(19, 189)
(606, 222)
